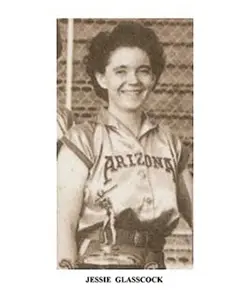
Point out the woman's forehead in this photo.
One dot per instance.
(128, 56)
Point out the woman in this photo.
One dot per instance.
(122, 170)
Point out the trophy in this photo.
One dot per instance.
(108, 223)
(106, 253)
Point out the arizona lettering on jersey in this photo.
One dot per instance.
(113, 163)
(137, 173)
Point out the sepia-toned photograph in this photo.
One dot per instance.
(124, 143)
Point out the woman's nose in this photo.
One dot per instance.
(132, 78)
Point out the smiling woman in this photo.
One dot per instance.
(126, 35)
(120, 177)
(128, 79)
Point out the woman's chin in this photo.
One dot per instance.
(133, 104)
(133, 107)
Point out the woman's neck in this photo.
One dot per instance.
(131, 119)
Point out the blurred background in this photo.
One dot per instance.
(171, 102)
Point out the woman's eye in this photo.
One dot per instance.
(144, 71)
(120, 72)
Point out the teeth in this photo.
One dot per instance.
(132, 92)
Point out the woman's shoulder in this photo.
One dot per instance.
(79, 139)
(63, 110)
(167, 133)
(82, 131)
(64, 116)
(83, 127)
(174, 141)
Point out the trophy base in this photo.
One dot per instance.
(99, 256)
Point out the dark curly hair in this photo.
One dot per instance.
(125, 34)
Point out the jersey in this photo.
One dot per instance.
(64, 121)
(136, 173)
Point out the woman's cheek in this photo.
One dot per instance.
(147, 81)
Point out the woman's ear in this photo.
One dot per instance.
(101, 79)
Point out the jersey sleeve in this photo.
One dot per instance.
(64, 121)
(183, 156)
(79, 140)
(180, 153)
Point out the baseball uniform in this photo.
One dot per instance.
(138, 174)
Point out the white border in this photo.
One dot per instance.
(221, 154)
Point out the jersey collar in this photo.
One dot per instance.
(108, 119)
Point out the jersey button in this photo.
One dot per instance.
(148, 200)
(142, 174)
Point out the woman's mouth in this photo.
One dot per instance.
(131, 92)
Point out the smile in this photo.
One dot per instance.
(132, 91)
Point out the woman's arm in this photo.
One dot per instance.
(185, 196)
(71, 177)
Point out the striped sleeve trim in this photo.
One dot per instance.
(77, 152)
(63, 130)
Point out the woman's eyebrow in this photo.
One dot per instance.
(120, 67)
(145, 66)
(125, 67)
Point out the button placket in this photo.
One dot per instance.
(142, 174)
(147, 197)
(148, 200)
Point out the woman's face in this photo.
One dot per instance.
(128, 78)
